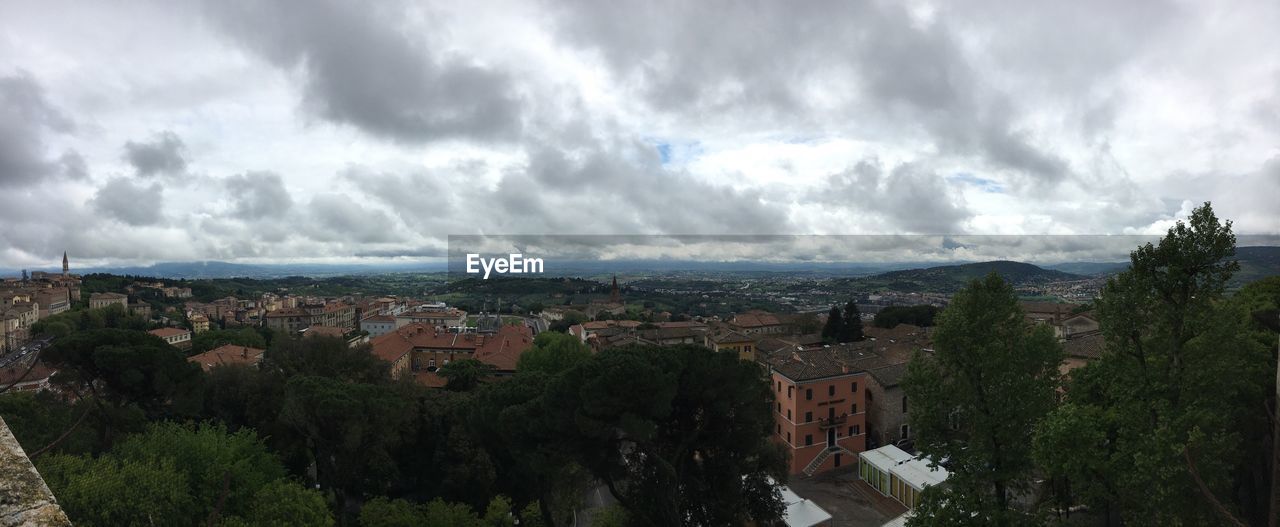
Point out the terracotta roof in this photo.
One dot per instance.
(288, 312)
(168, 332)
(323, 331)
(96, 296)
(380, 318)
(841, 359)
(12, 373)
(1047, 307)
(1085, 345)
(501, 350)
(755, 319)
(226, 355)
(890, 375)
(729, 336)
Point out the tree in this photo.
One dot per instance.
(679, 435)
(553, 353)
(891, 316)
(835, 325)
(211, 459)
(329, 357)
(1178, 389)
(181, 475)
(515, 424)
(851, 326)
(126, 373)
(383, 512)
(351, 431)
(976, 400)
(108, 491)
(208, 340)
(464, 374)
(284, 503)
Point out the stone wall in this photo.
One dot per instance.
(24, 498)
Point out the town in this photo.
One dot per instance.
(840, 411)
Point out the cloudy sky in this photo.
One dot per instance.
(141, 131)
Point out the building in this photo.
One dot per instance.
(422, 349)
(445, 318)
(199, 323)
(176, 337)
(760, 323)
(820, 404)
(893, 472)
(141, 309)
(228, 355)
(378, 325)
(36, 380)
(101, 300)
(289, 320)
(730, 341)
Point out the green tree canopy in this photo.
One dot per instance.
(834, 327)
(1177, 394)
(851, 326)
(680, 435)
(464, 375)
(553, 353)
(975, 401)
(208, 340)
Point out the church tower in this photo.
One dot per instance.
(615, 296)
(66, 267)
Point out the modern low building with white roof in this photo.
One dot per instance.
(896, 473)
(800, 512)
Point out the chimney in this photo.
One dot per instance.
(844, 368)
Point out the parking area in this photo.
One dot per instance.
(850, 503)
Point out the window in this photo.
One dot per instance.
(779, 429)
(853, 408)
(788, 414)
(808, 417)
(904, 403)
(856, 430)
(837, 459)
(788, 438)
(853, 387)
(779, 407)
(851, 434)
(779, 386)
(789, 390)
(831, 390)
(831, 413)
(906, 431)
(808, 394)
(808, 438)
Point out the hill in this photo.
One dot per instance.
(949, 278)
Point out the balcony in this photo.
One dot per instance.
(833, 421)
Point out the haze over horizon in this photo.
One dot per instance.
(241, 131)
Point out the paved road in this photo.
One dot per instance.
(20, 356)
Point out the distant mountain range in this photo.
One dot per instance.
(1255, 263)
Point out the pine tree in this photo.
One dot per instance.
(851, 330)
(835, 325)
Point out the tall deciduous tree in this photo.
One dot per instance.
(976, 400)
(1170, 404)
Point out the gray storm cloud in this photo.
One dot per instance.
(338, 129)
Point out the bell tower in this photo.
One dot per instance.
(66, 267)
